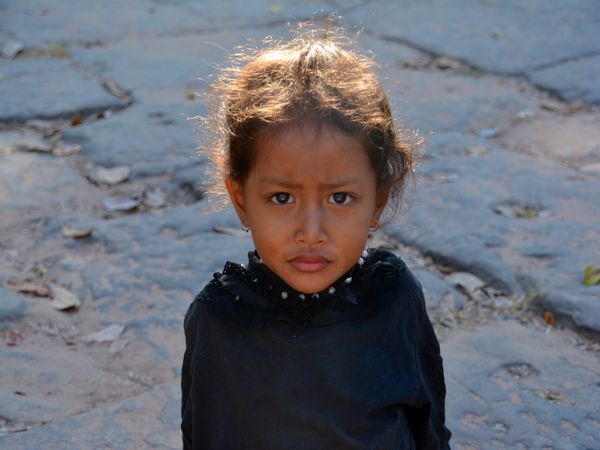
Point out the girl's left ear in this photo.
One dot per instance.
(381, 200)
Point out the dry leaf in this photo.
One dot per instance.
(62, 149)
(119, 203)
(476, 149)
(155, 198)
(591, 276)
(111, 86)
(77, 233)
(118, 345)
(12, 48)
(552, 105)
(231, 231)
(106, 334)
(12, 337)
(444, 63)
(110, 175)
(76, 120)
(62, 298)
(466, 280)
(549, 318)
(29, 287)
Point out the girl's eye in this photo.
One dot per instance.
(340, 198)
(282, 198)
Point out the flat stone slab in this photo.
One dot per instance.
(501, 37)
(571, 139)
(507, 218)
(150, 420)
(429, 99)
(152, 139)
(516, 387)
(38, 23)
(574, 80)
(43, 88)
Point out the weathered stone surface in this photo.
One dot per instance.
(574, 81)
(45, 88)
(459, 215)
(430, 99)
(520, 223)
(501, 37)
(142, 421)
(12, 307)
(153, 139)
(572, 139)
(512, 386)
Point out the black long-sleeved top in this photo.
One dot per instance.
(356, 367)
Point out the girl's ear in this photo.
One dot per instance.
(234, 188)
(381, 200)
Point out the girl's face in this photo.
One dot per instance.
(309, 201)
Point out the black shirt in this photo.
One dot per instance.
(356, 366)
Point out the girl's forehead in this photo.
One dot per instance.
(309, 152)
(306, 139)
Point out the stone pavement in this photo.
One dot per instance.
(501, 221)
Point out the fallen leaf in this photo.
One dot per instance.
(111, 86)
(118, 345)
(24, 140)
(525, 113)
(77, 233)
(467, 281)
(106, 334)
(12, 338)
(489, 133)
(231, 231)
(110, 175)
(591, 276)
(190, 95)
(443, 62)
(62, 149)
(76, 120)
(120, 203)
(6, 151)
(276, 9)
(549, 318)
(526, 212)
(29, 287)
(62, 298)
(155, 198)
(476, 149)
(12, 48)
(552, 105)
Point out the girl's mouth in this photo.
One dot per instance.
(309, 263)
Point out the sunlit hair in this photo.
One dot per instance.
(316, 76)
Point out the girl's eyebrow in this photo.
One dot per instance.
(291, 185)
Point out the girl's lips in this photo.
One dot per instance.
(309, 264)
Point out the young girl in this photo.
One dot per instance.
(317, 342)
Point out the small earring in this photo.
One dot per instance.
(244, 227)
(374, 228)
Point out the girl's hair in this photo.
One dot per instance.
(314, 76)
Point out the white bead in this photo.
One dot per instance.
(361, 261)
(331, 290)
(284, 295)
(348, 280)
(365, 253)
(315, 296)
(301, 296)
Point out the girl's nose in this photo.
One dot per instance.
(310, 228)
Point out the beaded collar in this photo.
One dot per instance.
(265, 282)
